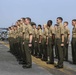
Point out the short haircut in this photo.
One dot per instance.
(28, 18)
(74, 20)
(66, 22)
(18, 20)
(23, 18)
(60, 18)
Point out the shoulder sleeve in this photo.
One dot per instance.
(68, 31)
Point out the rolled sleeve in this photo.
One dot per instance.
(68, 31)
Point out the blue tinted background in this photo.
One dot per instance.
(39, 10)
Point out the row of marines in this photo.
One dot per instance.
(26, 39)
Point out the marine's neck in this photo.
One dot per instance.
(75, 26)
(60, 23)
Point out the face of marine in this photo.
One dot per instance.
(65, 24)
(22, 20)
(12, 28)
(34, 26)
(27, 22)
(18, 22)
(55, 26)
(58, 21)
(38, 27)
(73, 23)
